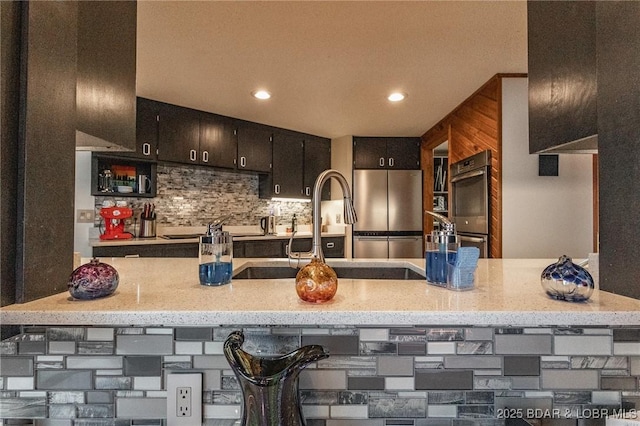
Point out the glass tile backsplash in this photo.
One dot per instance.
(375, 376)
(194, 196)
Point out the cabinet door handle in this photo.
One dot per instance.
(277, 189)
(146, 148)
(390, 162)
(205, 156)
(286, 249)
(307, 191)
(330, 245)
(243, 162)
(193, 156)
(381, 162)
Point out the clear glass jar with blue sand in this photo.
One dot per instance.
(441, 250)
(438, 258)
(216, 257)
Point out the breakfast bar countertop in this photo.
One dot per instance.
(166, 291)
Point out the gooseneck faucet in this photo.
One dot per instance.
(349, 213)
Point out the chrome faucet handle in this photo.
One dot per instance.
(296, 255)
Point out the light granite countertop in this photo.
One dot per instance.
(166, 291)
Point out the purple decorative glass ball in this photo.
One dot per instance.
(93, 280)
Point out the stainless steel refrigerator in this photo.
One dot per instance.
(389, 208)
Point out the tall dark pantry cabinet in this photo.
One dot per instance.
(47, 71)
(588, 89)
(43, 143)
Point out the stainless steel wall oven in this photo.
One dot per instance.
(470, 200)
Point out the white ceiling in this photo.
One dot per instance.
(329, 64)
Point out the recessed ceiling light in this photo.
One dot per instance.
(261, 94)
(397, 96)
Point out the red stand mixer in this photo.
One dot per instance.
(114, 223)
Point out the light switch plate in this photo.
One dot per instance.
(184, 399)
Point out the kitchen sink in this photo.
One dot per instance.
(180, 236)
(355, 270)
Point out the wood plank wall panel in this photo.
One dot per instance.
(474, 126)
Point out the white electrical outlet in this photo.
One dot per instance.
(183, 402)
(184, 399)
(85, 216)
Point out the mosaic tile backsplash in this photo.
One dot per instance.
(194, 196)
(413, 376)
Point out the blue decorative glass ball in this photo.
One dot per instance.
(565, 280)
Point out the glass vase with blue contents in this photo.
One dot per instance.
(441, 250)
(215, 257)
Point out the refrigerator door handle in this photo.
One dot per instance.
(371, 238)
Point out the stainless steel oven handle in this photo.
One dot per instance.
(471, 239)
(469, 174)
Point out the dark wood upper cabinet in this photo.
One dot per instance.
(254, 146)
(178, 134)
(147, 116)
(218, 141)
(369, 153)
(386, 153)
(403, 153)
(106, 75)
(191, 136)
(287, 164)
(317, 158)
(298, 159)
(562, 75)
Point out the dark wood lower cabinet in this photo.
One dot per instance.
(333, 247)
(258, 248)
(148, 250)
